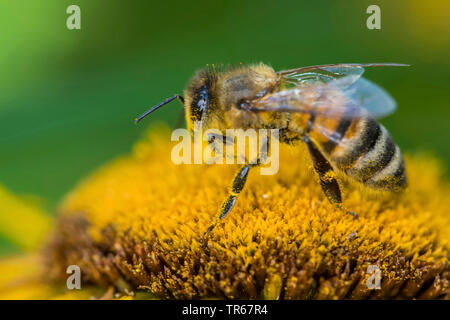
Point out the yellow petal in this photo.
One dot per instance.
(22, 222)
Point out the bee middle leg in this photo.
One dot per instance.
(236, 187)
(328, 181)
(238, 184)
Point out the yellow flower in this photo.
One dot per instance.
(137, 225)
(22, 221)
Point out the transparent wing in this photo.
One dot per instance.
(371, 97)
(344, 97)
(339, 67)
(325, 73)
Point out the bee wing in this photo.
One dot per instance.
(324, 74)
(343, 97)
(328, 72)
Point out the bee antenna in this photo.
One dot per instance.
(177, 96)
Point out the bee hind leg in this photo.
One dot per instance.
(327, 176)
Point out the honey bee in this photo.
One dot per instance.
(331, 108)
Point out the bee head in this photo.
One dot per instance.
(199, 98)
(198, 101)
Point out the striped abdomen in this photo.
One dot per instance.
(363, 149)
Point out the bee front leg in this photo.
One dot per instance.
(327, 177)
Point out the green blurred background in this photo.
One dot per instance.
(68, 97)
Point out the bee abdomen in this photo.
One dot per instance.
(366, 152)
(359, 137)
(375, 159)
(390, 177)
